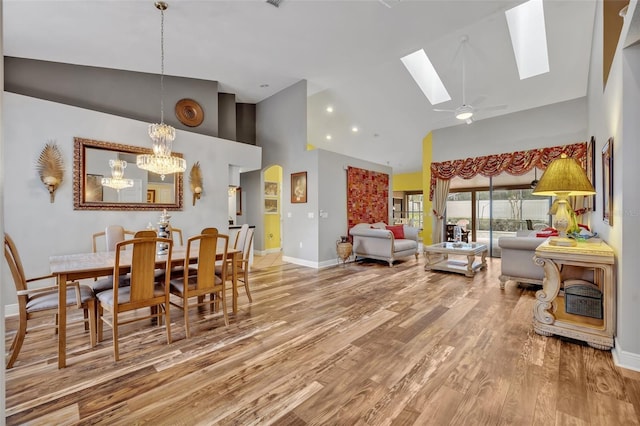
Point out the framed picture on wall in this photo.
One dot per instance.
(299, 187)
(271, 206)
(591, 172)
(607, 182)
(151, 195)
(271, 189)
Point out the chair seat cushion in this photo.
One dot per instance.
(124, 295)
(44, 301)
(177, 285)
(402, 245)
(107, 283)
(176, 272)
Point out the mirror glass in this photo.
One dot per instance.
(149, 191)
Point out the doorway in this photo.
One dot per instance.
(272, 208)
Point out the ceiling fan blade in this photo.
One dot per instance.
(477, 101)
(493, 108)
(444, 110)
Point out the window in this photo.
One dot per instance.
(415, 208)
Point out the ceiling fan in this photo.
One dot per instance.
(466, 111)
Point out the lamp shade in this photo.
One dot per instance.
(565, 175)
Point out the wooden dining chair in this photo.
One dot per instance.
(36, 302)
(173, 232)
(113, 234)
(142, 292)
(201, 281)
(243, 241)
(243, 264)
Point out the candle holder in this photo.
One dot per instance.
(164, 231)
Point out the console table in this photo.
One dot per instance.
(549, 314)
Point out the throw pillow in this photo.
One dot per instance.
(397, 230)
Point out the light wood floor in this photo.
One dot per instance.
(347, 345)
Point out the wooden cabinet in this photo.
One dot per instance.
(592, 262)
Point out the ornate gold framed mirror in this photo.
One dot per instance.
(147, 191)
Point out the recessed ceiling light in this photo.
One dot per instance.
(355, 129)
(425, 75)
(528, 38)
(328, 137)
(329, 108)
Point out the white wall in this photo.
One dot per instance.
(3, 266)
(307, 238)
(41, 229)
(281, 129)
(613, 112)
(552, 125)
(332, 200)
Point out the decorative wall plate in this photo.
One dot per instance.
(189, 112)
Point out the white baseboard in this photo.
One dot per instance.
(11, 310)
(625, 359)
(267, 251)
(332, 262)
(301, 262)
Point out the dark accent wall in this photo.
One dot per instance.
(129, 94)
(246, 123)
(227, 116)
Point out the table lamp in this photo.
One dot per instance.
(562, 178)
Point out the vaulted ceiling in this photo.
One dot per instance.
(348, 51)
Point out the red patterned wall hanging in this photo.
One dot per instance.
(367, 196)
(515, 163)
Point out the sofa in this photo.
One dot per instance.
(382, 242)
(517, 260)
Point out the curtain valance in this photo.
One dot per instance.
(515, 163)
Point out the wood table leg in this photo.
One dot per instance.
(62, 321)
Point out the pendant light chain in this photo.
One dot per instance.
(161, 64)
(161, 161)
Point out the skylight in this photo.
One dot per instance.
(425, 75)
(528, 38)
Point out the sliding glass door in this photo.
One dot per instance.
(490, 213)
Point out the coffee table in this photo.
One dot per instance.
(438, 257)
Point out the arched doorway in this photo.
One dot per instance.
(272, 208)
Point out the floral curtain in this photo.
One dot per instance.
(515, 163)
(367, 196)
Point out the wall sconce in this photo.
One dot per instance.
(51, 168)
(195, 180)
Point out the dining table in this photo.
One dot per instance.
(72, 267)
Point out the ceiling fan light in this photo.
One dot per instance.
(465, 112)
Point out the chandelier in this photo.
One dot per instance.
(117, 181)
(161, 161)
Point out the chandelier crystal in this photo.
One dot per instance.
(161, 161)
(117, 181)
